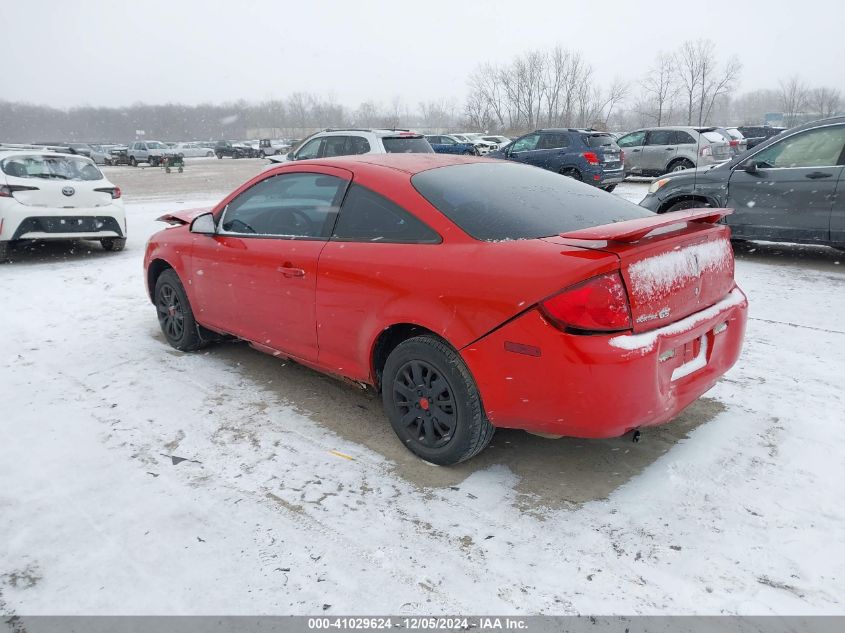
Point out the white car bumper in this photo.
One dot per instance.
(23, 222)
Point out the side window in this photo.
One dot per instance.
(334, 146)
(660, 137)
(553, 141)
(445, 140)
(821, 147)
(434, 140)
(634, 139)
(310, 150)
(291, 205)
(682, 138)
(526, 143)
(357, 145)
(369, 217)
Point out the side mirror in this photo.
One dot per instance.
(751, 167)
(204, 224)
(290, 156)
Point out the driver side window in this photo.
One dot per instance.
(310, 150)
(634, 139)
(288, 205)
(821, 147)
(526, 143)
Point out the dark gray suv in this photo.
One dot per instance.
(790, 188)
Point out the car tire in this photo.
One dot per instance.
(609, 188)
(679, 165)
(174, 313)
(209, 154)
(683, 205)
(133, 162)
(262, 154)
(4, 251)
(470, 152)
(220, 156)
(446, 424)
(571, 172)
(113, 244)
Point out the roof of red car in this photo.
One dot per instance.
(410, 163)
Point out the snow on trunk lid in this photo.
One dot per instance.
(677, 276)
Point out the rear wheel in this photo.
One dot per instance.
(113, 243)
(174, 313)
(209, 154)
(571, 172)
(610, 188)
(432, 402)
(133, 162)
(153, 161)
(220, 155)
(679, 165)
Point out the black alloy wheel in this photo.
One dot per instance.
(174, 313)
(426, 403)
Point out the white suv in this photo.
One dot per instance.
(346, 142)
(53, 196)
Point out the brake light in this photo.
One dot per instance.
(622, 154)
(734, 143)
(114, 192)
(706, 151)
(598, 304)
(591, 157)
(6, 191)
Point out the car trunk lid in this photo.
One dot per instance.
(673, 265)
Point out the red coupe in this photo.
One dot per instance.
(472, 293)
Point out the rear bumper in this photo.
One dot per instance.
(603, 385)
(18, 221)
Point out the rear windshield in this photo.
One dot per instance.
(50, 167)
(406, 145)
(714, 137)
(599, 140)
(507, 201)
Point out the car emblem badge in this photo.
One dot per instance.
(68, 191)
(664, 312)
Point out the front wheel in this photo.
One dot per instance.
(174, 313)
(432, 402)
(113, 244)
(687, 204)
(220, 155)
(133, 162)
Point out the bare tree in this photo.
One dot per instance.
(716, 82)
(660, 86)
(794, 97)
(688, 64)
(825, 101)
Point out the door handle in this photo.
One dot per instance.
(288, 270)
(819, 174)
(636, 150)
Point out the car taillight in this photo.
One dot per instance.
(591, 157)
(114, 192)
(6, 191)
(598, 304)
(706, 151)
(621, 154)
(734, 143)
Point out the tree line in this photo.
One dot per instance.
(554, 87)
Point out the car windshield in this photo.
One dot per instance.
(406, 145)
(509, 201)
(50, 167)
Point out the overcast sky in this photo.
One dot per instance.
(106, 52)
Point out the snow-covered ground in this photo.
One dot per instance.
(137, 479)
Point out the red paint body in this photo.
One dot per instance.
(326, 302)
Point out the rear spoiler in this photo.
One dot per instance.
(634, 230)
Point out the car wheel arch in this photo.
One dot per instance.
(154, 270)
(684, 198)
(389, 339)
